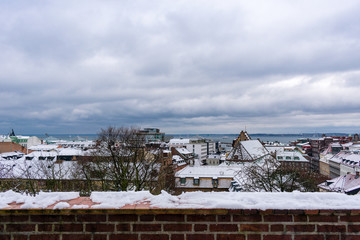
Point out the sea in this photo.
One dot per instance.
(223, 138)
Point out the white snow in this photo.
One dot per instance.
(61, 205)
(42, 200)
(80, 206)
(200, 200)
(118, 199)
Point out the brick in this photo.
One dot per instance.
(154, 237)
(177, 237)
(45, 227)
(311, 212)
(332, 228)
(99, 227)
(247, 218)
(277, 228)
(300, 218)
(355, 212)
(343, 212)
(266, 212)
(353, 228)
(45, 237)
(146, 227)
(20, 227)
(201, 218)
(45, 218)
(230, 237)
(277, 237)
(253, 237)
(281, 212)
(76, 237)
(250, 211)
(16, 237)
(353, 218)
(147, 218)
(100, 237)
(224, 228)
(296, 212)
(123, 218)
(178, 227)
(199, 237)
(277, 218)
(68, 218)
(300, 228)
(327, 212)
(14, 218)
(200, 227)
(350, 237)
(320, 218)
(170, 217)
(224, 218)
(309, 237)
(123, 227)
(332, 237)
(254, 227)
(68, 227)
(123, 237)
(91, 218)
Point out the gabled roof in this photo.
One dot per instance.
(250, 150)
(349, 184)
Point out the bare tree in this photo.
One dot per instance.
(270, 176)
(121, 162)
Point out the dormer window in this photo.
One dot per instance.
(182, 181)
(215, 182)
(196, 182)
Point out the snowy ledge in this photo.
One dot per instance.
(192, 200)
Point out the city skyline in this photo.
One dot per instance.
(184, 67)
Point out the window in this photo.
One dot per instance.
(279, 157)
(215, 182)
(288, 158)
(182, 181)
(196, 182)
(296, 158)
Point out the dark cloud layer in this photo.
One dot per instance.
(184, 66)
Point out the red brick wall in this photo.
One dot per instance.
(175, 224)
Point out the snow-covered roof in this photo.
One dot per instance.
(254, 148)
(70, 152)
(183, 151)
(44, 147)
(344, 184)
(288, 154)
(179, 141)
(209, 171)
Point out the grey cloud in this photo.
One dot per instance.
(185, 66)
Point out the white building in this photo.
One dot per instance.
(201, 148)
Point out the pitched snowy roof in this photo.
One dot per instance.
(344, 184)
(254, 148)
(209, 171)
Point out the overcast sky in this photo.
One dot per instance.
(181, 66)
